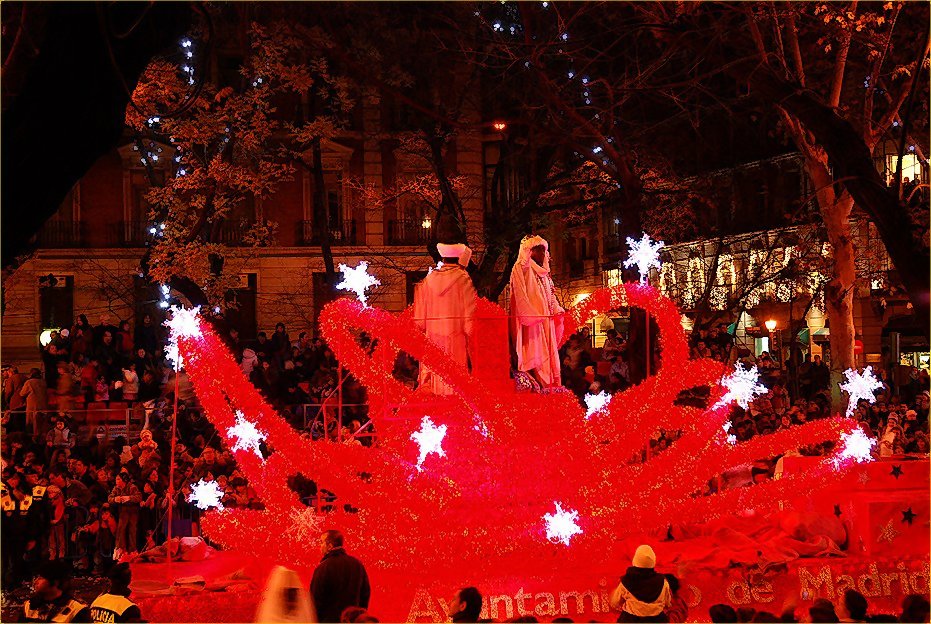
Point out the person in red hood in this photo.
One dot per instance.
(643, 594)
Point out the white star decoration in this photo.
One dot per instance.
(594, 403)
(643, 253)
(305, 524)
(860, 387)
(430, 438)
(857, 446)
(561, 526)
(206, 494)
(357, 280)
(248, 437)
(742, 386)
(184, 323)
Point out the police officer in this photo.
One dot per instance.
(12, 544)
(51, 600)
(115, 606)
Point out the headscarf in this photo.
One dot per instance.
(273, 607)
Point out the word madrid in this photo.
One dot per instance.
(886, 585)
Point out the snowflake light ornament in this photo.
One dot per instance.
(594, 403)
(644, 254)
(742, 386)
(561, 526)
(184, 323)
(860, 387)
(857, 447)
(357, 280)
(430, 439)
(248, 437)
(206, 494)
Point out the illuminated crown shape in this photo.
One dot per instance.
(485, 504)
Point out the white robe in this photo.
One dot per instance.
(536, 321)
(444, 303)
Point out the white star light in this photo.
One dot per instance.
(357, 280)
(596, 402)
(184, 323)
(561, 526)
(206, 494)
(742, 386)
(857, 446)
(430, 438)
(248, 437)
(860, 387)
(643, 253)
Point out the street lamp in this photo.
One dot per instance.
(771, 327)
(426, 223)
(500, 126)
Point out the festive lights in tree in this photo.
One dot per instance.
(484, 506)
(357, 280)
(741, 386)
(860, 387)
(429, 439)
(183, 323)
(561, 526)
(247, 436)
(644, 254)
(206, 495)
(595, 403)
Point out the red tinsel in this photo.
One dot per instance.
(509, 456)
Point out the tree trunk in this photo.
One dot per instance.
(839, 291)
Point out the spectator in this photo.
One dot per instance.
(65, 388)
(915, 608)
(36, 394)
(339, 581)
(466, 605)
(284, 599)
(643, 594)
(124, 341)
(852, 607)
(822, 611)
(145, 336)
(722, 613)
(130, 383)
(56, 538)
(125, 498)
(115, 605)
(51, 600)
(59, 436)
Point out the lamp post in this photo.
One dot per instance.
(771, 327)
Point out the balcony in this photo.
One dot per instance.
(130, 233)
(56, 234)
(343, 235)
(409, 233)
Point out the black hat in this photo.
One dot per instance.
(54, 570)
(120, 574)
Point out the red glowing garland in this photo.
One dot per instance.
(509, 456)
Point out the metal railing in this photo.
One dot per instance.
(103, 423)
(61, 234)
(409, 232)
(340, 235)
(130, 233)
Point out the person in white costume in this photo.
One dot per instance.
(444, 303)
(536, 316)
(285, 599)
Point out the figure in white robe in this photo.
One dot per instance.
(536, 316)
(444, 303)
